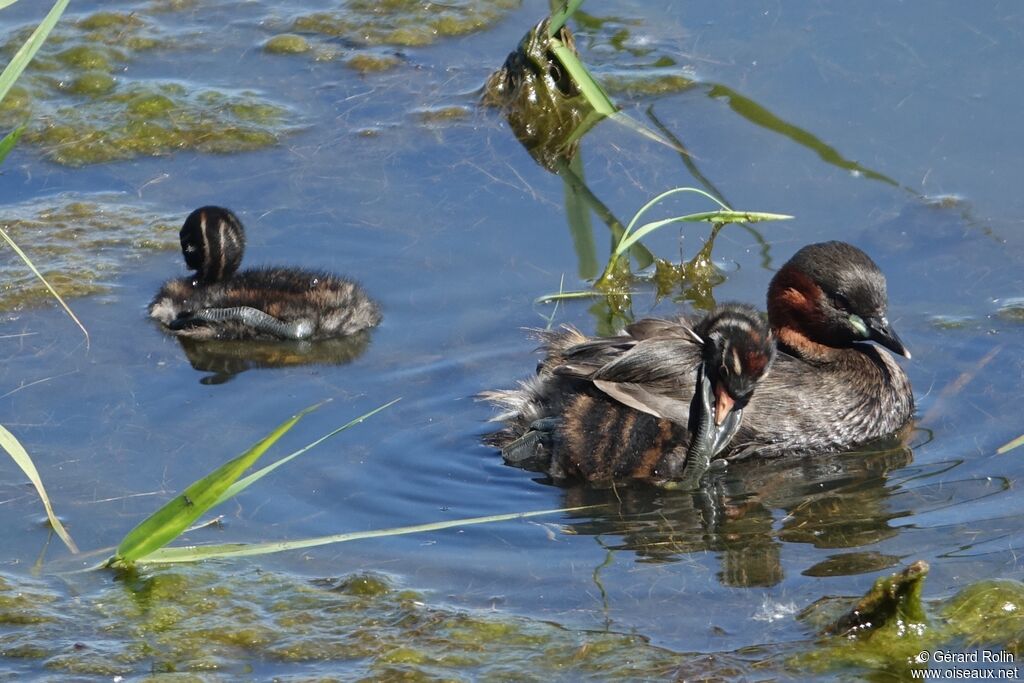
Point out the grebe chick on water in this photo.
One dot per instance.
(828, 389)
(725, 354)
(257, 303)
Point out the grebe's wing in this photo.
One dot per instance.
(653, 374)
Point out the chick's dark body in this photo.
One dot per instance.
(335, 305)
(600, 439)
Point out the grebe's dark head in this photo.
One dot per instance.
(212, 242)
(830, 294)
(739, 348)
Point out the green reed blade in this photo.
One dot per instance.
(1006, 447)
(209, 552)
(557, 18)
(21, 457)
(167, 523)
(577, 213)
(629, 122)
(644, 258)
(27, 51)
(599, 100)
(589, 88)
(9, 141)
(28, 262)
(589, 121)
(251, 479)
(586, 294)
(664, 195)
(708, 216)
(10, 74)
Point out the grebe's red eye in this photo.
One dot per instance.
(840, 302)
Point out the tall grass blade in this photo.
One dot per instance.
(167, 523)
(32, 267)
(27, 51)
(709, 216)
(598, 98)
(9, 141)
(629, 122)
(759, 116)
(196, 553)
(558, 302)
(644, 258)
(557, 18)
(1007, 447)
(592, 119)
(666, 194)
(577, 213)
(587, 294)
(589, 88)
(691, 165)
(251, 479)
(10, 74)
(21, 457)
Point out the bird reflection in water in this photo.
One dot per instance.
(224, 359)
(747, 512)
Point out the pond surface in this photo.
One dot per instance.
(892, 126)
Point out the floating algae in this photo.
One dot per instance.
(83, 108)
(78, 242)
(405, 23)
(442, 114)
(193, 620)
(1011, 309)
(367, 28)
(631, 57)
(287, 44)
(887, 629)
(989, 613)
(366, 62)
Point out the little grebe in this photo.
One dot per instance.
(258, 303)
(619, 407)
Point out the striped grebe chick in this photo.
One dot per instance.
(221, 302)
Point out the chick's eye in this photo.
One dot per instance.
(840, 302)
